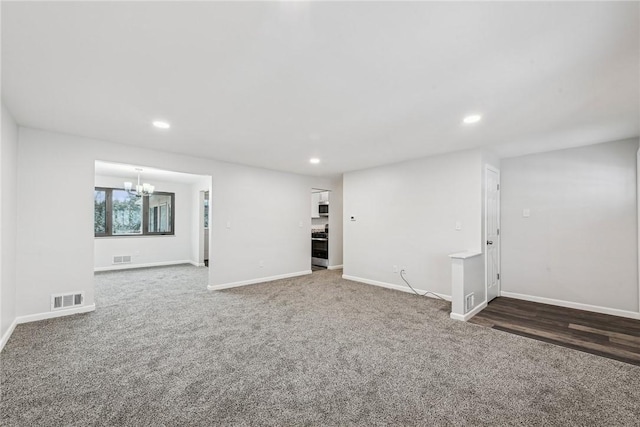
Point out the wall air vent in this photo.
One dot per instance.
(469, 302)
(122, 259)
(62, 301)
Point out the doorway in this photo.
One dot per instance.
(492, 232)
(320, 211)
(206, 228)
(203, 228)
(172, 207)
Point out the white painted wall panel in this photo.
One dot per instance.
(406, 215)
(579, 243)
(8, 219)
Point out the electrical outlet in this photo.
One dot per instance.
(458, 226)
(395, 268)
(261, 264)
(403, 268)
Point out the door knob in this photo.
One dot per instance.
(489, 242)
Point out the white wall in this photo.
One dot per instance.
(406, 215)
(149, 250)
(580, 242)
(8, 219)
(268, 214)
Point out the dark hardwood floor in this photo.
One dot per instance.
(601, 334)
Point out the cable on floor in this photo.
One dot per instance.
(416, 292)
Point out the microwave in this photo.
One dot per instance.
(323, 209)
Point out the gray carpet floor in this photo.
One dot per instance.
(315, 350)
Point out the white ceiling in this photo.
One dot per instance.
(357, 84)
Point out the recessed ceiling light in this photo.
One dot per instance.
(474, 118)
(314, 160)
(161, 125)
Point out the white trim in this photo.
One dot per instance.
(638, 215)
(335, 267)
(53, 314)
(196, 264)
(7, 334)
(469, 315)
(392, 286)
(259, 280)
(465, 255)
(43, 316)
(576, 305)
(150, 264)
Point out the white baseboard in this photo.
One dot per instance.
(43, 316)
(196, 264)
(7, 334)
(392, 286)
(57, 313)
(469, 315)
(150, 264)
(259, 280)
(335, 267)
(576, 305)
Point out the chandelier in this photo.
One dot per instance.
(141, 189)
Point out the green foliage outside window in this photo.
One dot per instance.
(120, 213)
(100, 211)
(126, 213)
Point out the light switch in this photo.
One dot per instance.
(458, 225)
(300, 224)
(228, 224)
(526, 212)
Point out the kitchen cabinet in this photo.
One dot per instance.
(321, 198)
(315, 201)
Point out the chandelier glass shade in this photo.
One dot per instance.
(144, 189)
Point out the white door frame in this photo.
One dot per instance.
(488, 167)
(201, 230)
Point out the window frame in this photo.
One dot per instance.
(145, 215)
(107, 212)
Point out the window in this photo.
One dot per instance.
(126, 213)
(206, 209)
(100, 212)
(120, 213)
(160, 207)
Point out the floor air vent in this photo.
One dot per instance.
(62, 301)
(122, 259)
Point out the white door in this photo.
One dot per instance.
(492, 232)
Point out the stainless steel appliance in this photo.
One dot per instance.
(320, 249)
(323, 209)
